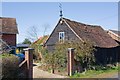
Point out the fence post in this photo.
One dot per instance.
(70, 65)
(29, 59)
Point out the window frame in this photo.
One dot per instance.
(61, 36)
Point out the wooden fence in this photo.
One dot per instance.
(26, 66)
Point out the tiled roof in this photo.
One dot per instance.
(116, 32)
(41, 40)
(8, 25)
(92, 33)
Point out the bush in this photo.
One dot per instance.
(10, 66)
(83, 54)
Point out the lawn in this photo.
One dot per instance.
(107, 73)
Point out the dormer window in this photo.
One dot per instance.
(61, 36)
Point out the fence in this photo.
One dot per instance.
(27, 65)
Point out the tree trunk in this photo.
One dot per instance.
(52, 71)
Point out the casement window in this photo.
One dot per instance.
(61, 36)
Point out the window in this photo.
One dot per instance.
(61, 36)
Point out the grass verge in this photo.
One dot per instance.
(97, 73)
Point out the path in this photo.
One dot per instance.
(117, 75)
(37, 73)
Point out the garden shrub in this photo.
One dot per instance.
(57, 59)
(10, 66)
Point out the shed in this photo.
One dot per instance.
(70, 30)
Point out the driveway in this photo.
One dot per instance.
(37, 73)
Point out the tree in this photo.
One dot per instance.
(26, 41)
(55, 60)
(33, 36)
(45, 29)
(83, 54)
(32, 33)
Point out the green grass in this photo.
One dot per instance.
(93, 73)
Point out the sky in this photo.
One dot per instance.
(39, 14)
(60, 0)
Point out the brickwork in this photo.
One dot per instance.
(10, 39)
(71, 69)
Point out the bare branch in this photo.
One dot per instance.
(45, 28)
(33, 33)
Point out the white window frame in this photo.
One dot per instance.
(61, 36)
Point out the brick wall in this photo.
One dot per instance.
(10, 39)
(0, 43)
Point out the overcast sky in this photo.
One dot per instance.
(39, 14)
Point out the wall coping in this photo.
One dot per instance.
(26, 49)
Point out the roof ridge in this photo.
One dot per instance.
(6, 18)
(81, 23)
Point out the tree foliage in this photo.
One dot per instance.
(38, 46)
(55, 60)
(26, 41)
(83, 54)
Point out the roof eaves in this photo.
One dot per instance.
(52, 32)
(113, 33)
